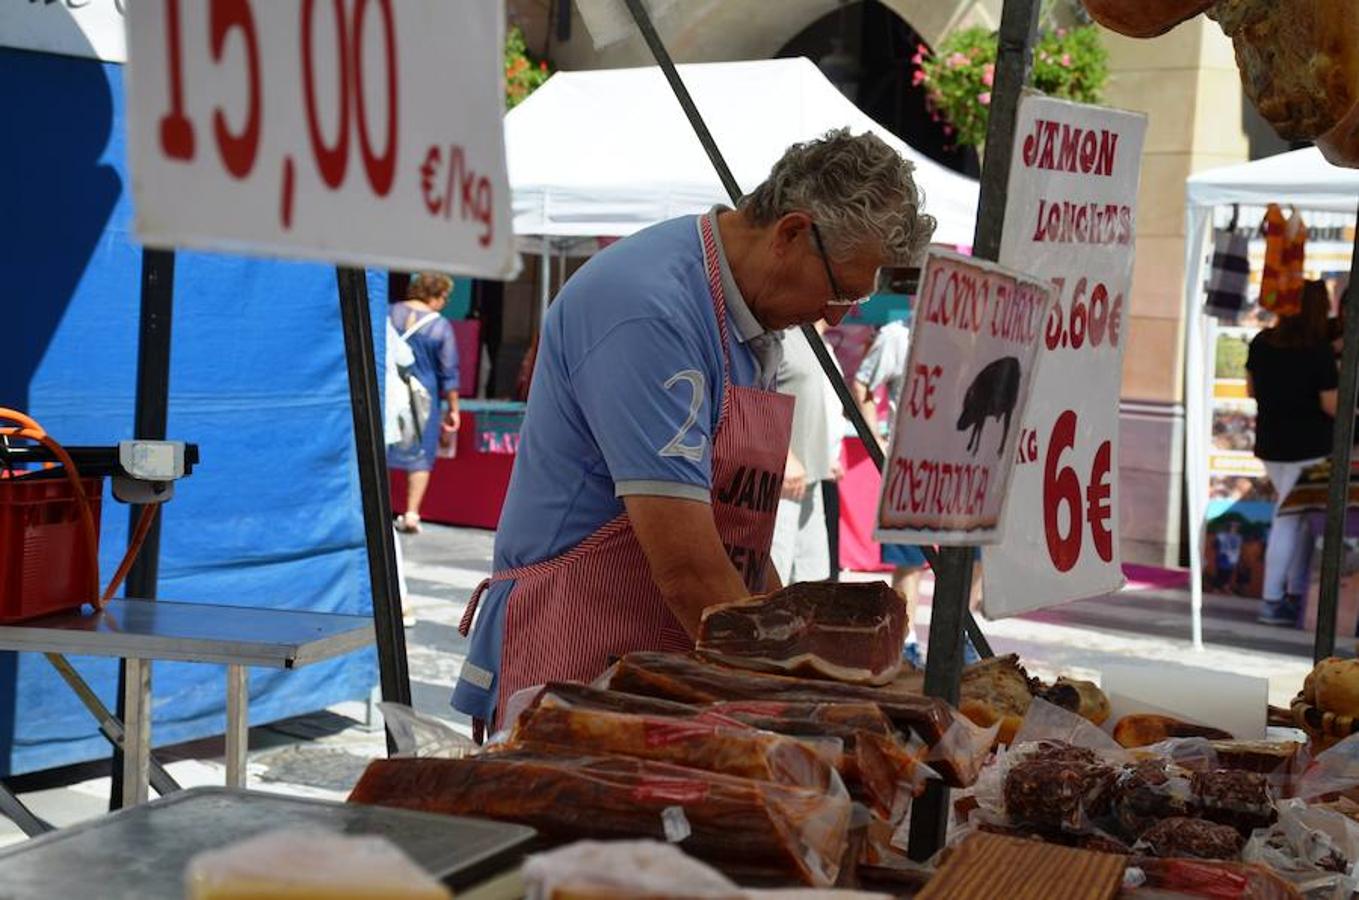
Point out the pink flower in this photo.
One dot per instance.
(918, 59)
(956, 60)
(1066, 60)
(984, 98)
(989, 74)
(922, 50)
(948, 131)
(1061, 32)
(918, 78)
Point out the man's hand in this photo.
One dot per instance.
(794, 479)
(688, 562)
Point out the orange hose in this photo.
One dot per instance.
(148, 515)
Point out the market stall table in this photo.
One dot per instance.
(140, 631)
(142, 851)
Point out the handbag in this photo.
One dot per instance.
(413, 418)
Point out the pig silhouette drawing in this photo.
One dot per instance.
(992, 394)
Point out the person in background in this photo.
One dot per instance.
(419, 323)
(1291, 373)
(885, 364)
(399, 359)
(801, 547)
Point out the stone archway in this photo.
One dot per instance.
(722, 30)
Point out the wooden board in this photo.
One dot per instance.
(987, 866)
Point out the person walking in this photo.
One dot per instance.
(1291, 373)
(420, 323)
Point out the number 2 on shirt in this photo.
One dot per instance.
(677, 447)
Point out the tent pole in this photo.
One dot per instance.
(152, 412)
(1337, 499)
(544, 281)
(944, 664)
(371, 450)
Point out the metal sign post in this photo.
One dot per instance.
(355, 317)
(374, 487)
(152, 412)
(1337, 499)
(953, 572)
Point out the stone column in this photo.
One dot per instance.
(1188, 85)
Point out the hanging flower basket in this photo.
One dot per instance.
(1070, 63)
(523, 75)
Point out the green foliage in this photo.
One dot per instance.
(523, 75)
(1070, 63)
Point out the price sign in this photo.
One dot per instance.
(1069, 219)
(978, 330)
(363, 132)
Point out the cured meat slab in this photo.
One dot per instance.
(732, 822)
(696, 742)
(673, 676)
(877, 767)
(842, 632)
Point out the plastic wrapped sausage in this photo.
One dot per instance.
(734, 823)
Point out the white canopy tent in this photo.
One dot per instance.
(609, 152)
(1301, 178)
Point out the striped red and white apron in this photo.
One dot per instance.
(568, 616)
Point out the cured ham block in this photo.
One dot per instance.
(842, 632)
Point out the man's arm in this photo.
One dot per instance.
(868, 405)
(687, 559)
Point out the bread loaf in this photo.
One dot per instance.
(1144, 18)
(1142, 730)
(1335, 686)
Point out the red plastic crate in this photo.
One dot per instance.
(44, 564)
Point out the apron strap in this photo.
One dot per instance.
(545, 567)
(713, 265)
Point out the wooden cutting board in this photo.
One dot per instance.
(987, 866)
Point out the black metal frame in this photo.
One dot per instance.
(366, 404)
(1337, 493)
(152, 412)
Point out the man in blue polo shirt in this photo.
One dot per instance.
(651, 457)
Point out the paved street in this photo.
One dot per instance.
(322, 754)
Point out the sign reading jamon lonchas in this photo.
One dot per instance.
(1070, 219)
(977, 331)
(360, 133)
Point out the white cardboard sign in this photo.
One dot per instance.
(977, 331)
(1070, 218)
(356, 132)
(92, 29)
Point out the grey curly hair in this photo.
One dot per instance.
(858, 190)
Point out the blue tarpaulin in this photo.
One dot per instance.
(272, 516)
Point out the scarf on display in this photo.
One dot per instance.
(1285, 254)
(1229, 275)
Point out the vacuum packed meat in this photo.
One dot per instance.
(674, 676)
(1150, 791)
(1059, 794)
(1239, 799)
(734, 823)
(1192, 838)
(842, 632)
(713, 746)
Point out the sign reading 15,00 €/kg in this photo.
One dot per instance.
(1070, 219)
(365, 132)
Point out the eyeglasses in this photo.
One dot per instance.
(838, 297)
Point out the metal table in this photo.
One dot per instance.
(140, 631)
(141, 852)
